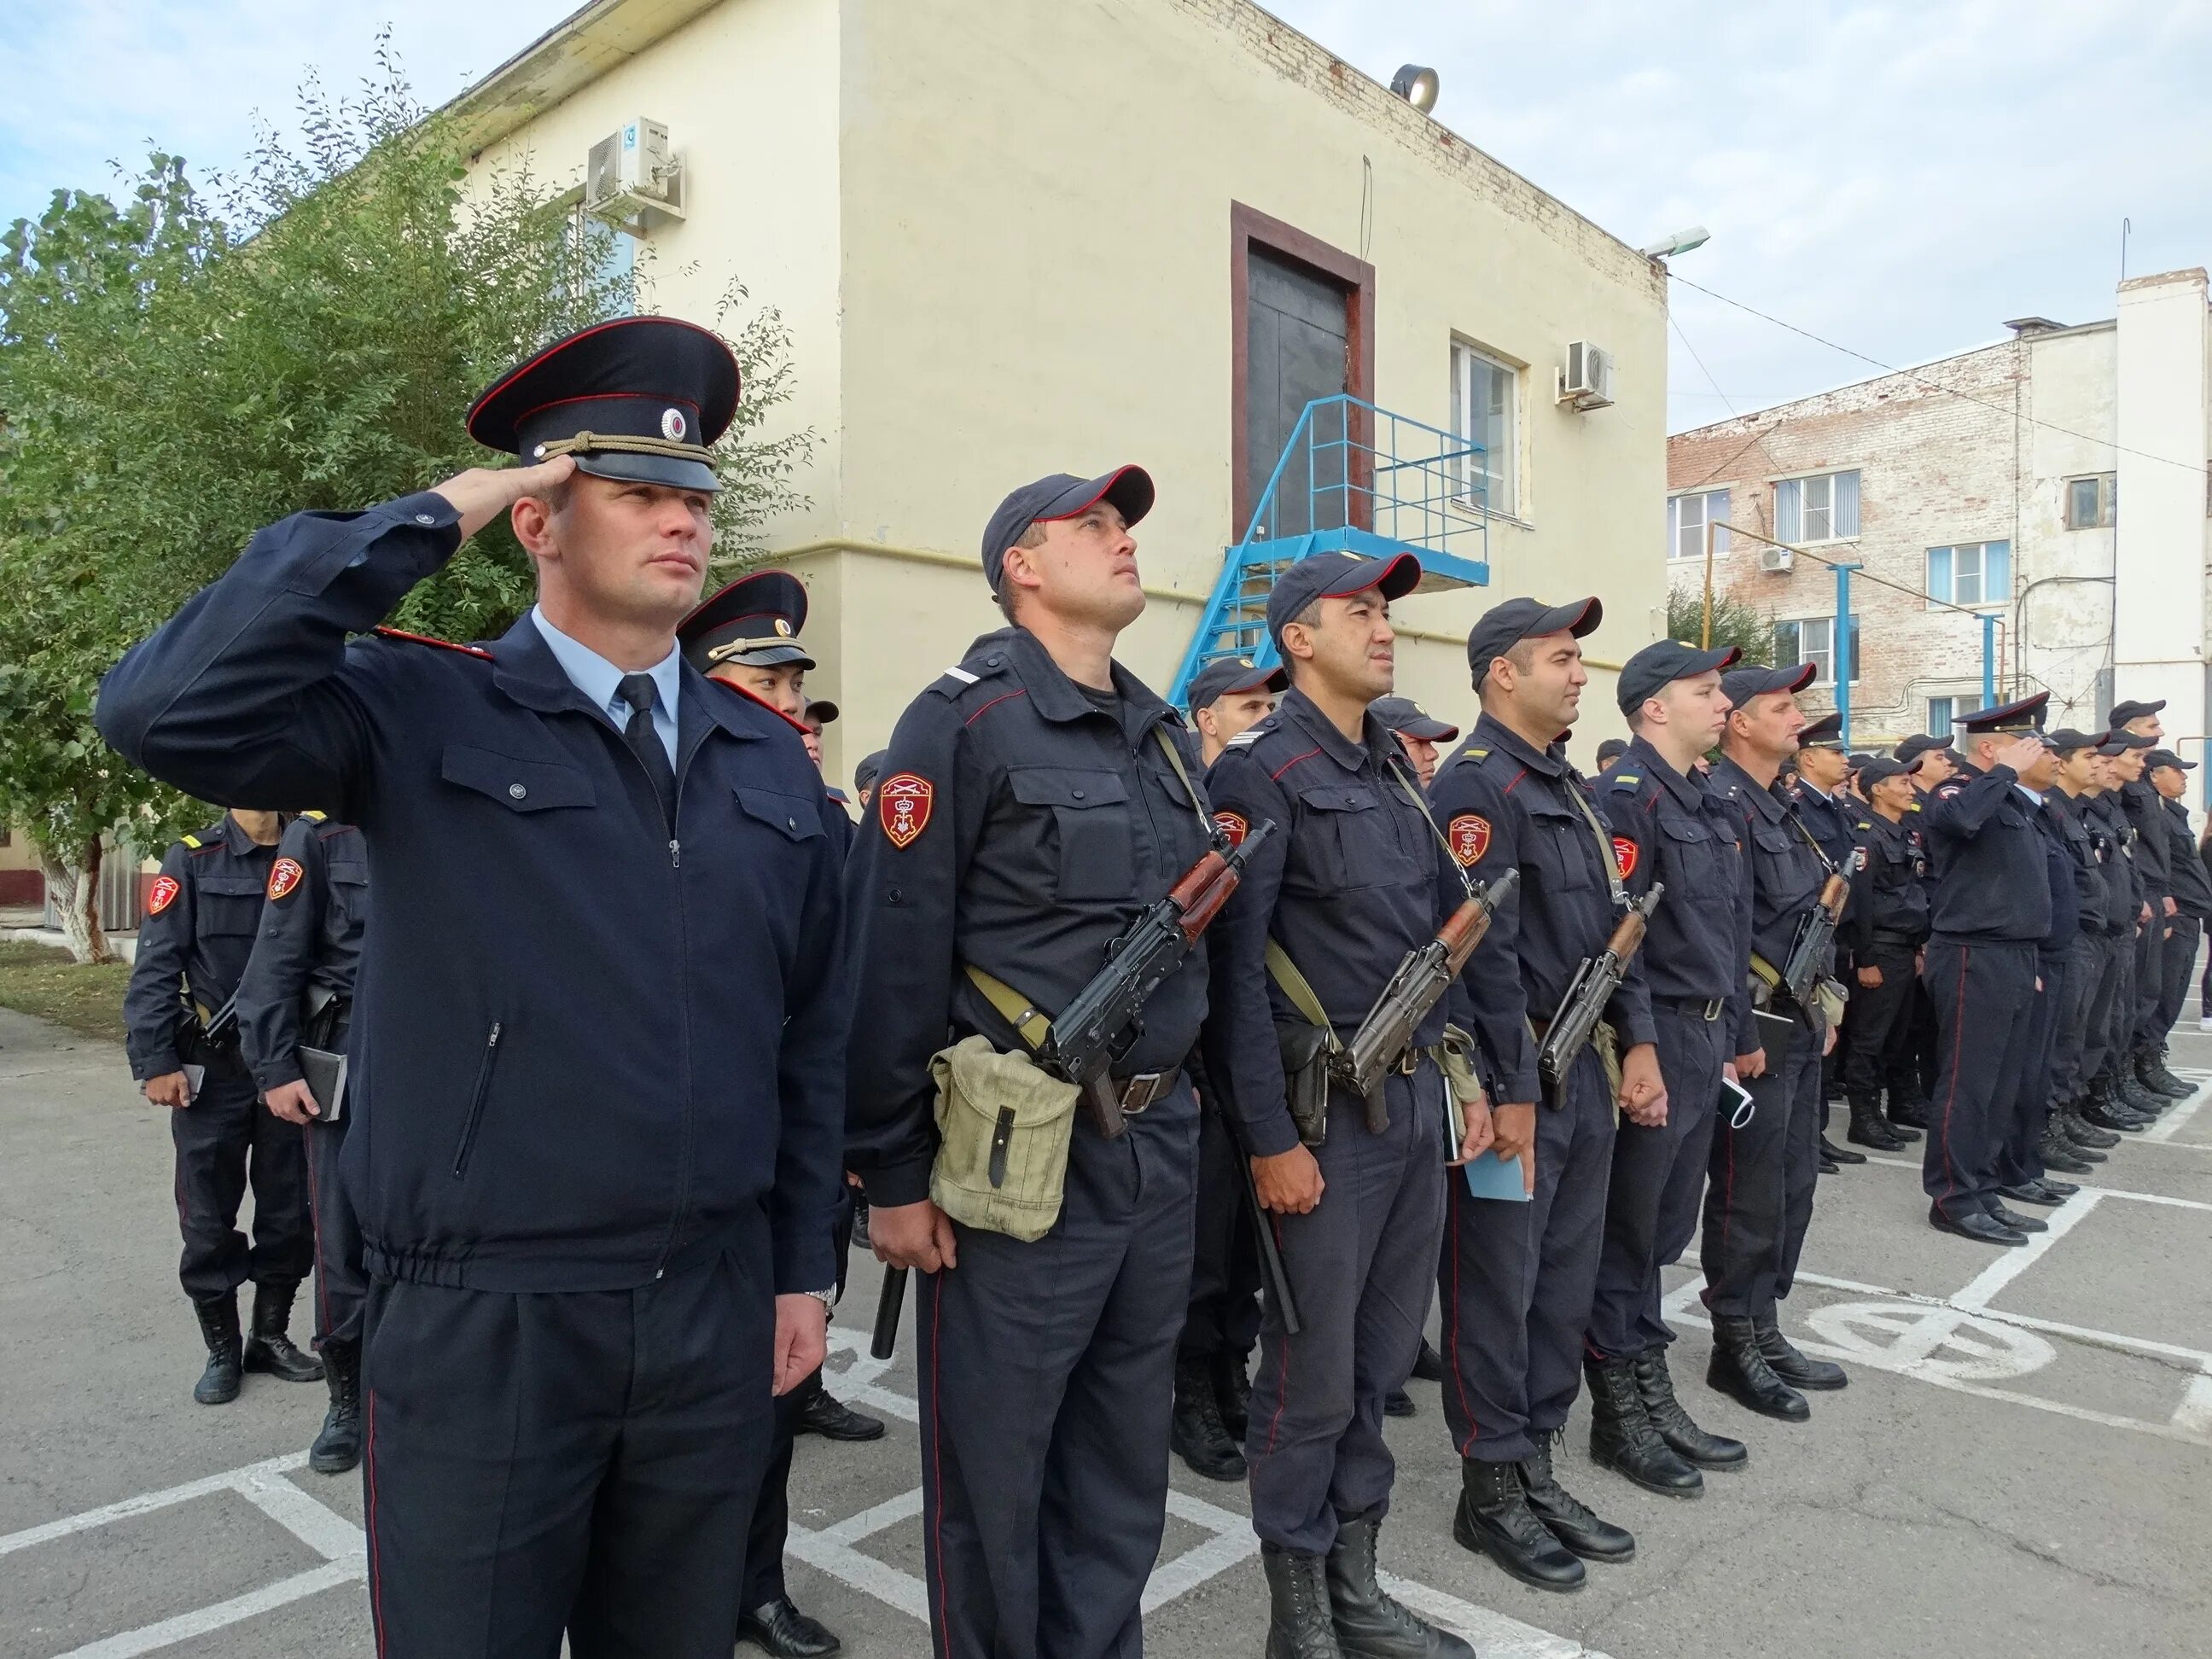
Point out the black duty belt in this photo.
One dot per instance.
(1145, 1089)
(1901, 941)
(1705, 1008)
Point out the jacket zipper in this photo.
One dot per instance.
(683, 947)
(477, 1101)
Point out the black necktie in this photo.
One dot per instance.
(645, 743)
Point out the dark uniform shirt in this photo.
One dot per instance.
(1667, 828)
(2093, 889)
(1020, 822)
(1991, 880)
(198, 933)
(1506, 805)
(1786, 872)
(601, 1045)
(310, 939)
(1355, 877)
(2060, 873)
(1889, 894)
(2104, 813)
(2190, 887)
(2146, 810)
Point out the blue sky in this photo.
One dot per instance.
(1898, 178)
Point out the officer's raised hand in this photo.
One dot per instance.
(2021, 753)
(483, 493)
(1643, 1092)
(1513, 1135)
(294, 1102)
(1289, 1183)
(171, 1088)
(916, 1235)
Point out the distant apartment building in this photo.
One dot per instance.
(2055, 482)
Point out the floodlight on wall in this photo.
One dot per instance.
(1417, 85)
(1681, 242)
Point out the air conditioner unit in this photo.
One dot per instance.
(1587, 381)
(632, 172)
(1776, 558)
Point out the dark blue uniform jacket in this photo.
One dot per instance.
(1667, 828)
(1990, 883)
(198, 933)
(310, 930)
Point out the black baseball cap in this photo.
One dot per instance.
(1404, 715)
(1061, 495)
(2117, 742)
(2159, 757)
(2067, 741)
(1227, 676)
(2124, 712)
(821, 711)
(1663, 662)
(1740, 685)
(869, 768)
(1504, 626)
(1877, 769)
(1336, 576)
(1612, 748)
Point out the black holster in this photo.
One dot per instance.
(1306, 1050)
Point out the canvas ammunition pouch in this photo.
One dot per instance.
(1003, 1130)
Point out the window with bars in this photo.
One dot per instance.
(1971, 573)
(1687, 518)
(1824, 508)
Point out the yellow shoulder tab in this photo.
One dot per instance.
(193, 842)
(314, 817)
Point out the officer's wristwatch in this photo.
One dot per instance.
(828, 1298)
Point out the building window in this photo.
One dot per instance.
(1486, 409)
(1943, 711)
(2091, 502)
(1821, 508)
(1970, 573)
(1687, 518)
(1813, 639)
(603, 263)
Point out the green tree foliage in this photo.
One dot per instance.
(183, 367)
(1735, 623)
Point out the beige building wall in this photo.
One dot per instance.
(1002, 234)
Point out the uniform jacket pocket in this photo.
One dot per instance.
(1090, 817)
(521, 786)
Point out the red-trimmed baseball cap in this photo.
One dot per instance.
(1336, 576)
(1227, 676)
(1061, 495)
(1504, 626)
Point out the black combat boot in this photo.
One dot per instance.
(2057, 1151)
(779, 1629)
(1369, 1624)
(268, 1345)
(2104, 1110)
(1834, 1154)
(218, 1383)
(1298, 1622)
(2088, 1140)
(1675, 1425)
(822, 1412)
(1909, 1113)
(1494, 1519)
(1399, 1403)
(1740, 1370)
(337, 1448)
(1797, 1369)
(1622, 1438)
(1429, 1365)
(1196, 1431)
(1569, 1520)
(1232, 1390)
(2132, 1093)
(1869, 1128)
(2151, 1066)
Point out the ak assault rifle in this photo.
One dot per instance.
(1106, 1017)
(1814, 933)
(1379, 1046)
(1592, 988)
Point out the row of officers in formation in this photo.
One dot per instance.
(1148, 1042)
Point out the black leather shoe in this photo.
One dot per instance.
(824, 1415)
(1369, 1624)
(269, 1346)
(1740, 1370)
(2060, 1190)
(2034, 1192)
(1493, 1519)
(1623, 1439)
(1799, 1370)
(1972, 1224)
(782, 1629)
(1429, 1365)
(1836, 1154)
(218, 1316)
(1655, 1384)
(1196, 1433)
(1869, 1128)
(2016, 1220)
(338, 1447)
(1299, 1623)
(1828, 1165)
(2105, 1112)
(1568, 1519)
(1398, 1403)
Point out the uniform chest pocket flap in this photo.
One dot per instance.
(1350, 834)
(1700, 858)
(787, 815)
(1563, 840)
(229, 904)
(521, 786)
(1091, 819)
(1772, 839)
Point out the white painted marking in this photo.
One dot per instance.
(2012, 1263)
(889, 1585)
(882, 1518)
(2027, 1322)
(201, 1620)
(321, 1528)
(2193, 1416)
(1233, 1541)
(1916, 1339)
(146, 1503)
(1495, 1636)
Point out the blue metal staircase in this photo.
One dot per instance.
(1353, 478)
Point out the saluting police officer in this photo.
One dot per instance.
(1759, 1201)
(1354, 877)
(1822, 805)
(297, 992)
(1033, 804)
(1991, 912)
(1888, 924)
(178, 1011)
(746, 637)
(602, 1011)
(1214, 1377)
(1517, 1279)
(1667, 828)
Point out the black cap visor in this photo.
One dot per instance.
(671, 472)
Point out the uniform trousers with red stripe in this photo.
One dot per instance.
(341, 1286)
(1985, 1003)
(1764, 1165)
(1517, 1279)
(1360, 1264)
(1046, 1375)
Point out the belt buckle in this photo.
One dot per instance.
(1141, 1092)
(1713, 1009)
(1409, 1063)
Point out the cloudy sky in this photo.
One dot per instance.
(1899, 178)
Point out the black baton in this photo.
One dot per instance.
(890, 1303)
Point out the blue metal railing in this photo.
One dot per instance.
(1353, 477)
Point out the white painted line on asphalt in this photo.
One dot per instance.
(2193, 1416)
(146, 1503)
(2027, 1322)
(2013, 1263)
(320, 1528)
(1495, 1636)
(870, 1522)
(2163, 1130)
(887, 1584)
(201, 1620)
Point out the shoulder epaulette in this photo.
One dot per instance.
(1914, 807)
(1865, 823)
(314, 817)
(1246, 737)
(402, 634)
(1478, 754)
(1626, 779)
(192, 841)
(955, 681)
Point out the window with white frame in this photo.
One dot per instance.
(603, 263)
(1970, 573)
(1485, 413)
(1824, 508)
(2092, 503)
(1687, 518)
(1813, 639)
(1943, 712)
